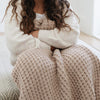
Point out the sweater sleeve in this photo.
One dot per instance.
(63, 38)
(16, 40)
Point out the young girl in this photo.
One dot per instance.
(41, 36)
(44, 24)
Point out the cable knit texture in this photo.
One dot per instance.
(69, 74)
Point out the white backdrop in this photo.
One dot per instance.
(96, 17)
(3, 5)
(88, 11)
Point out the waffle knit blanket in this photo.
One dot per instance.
(69, 74)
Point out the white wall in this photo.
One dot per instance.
(89, 16)
(3, 5)
(96, 20)
(84, 9)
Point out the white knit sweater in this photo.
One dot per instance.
(18, 42)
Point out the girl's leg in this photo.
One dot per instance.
(35, 75)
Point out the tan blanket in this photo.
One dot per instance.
(69, 74)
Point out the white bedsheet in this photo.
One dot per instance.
(6, 82)
(6, 68)
(96, 52)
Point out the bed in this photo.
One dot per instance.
(8, 89)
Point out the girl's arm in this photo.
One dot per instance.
(62, 39)
(35, 34)
(17, 41)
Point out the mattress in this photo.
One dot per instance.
(8, 89)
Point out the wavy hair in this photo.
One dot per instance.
(53, 8)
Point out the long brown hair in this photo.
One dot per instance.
(53, 8)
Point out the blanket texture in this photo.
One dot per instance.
(69, 74)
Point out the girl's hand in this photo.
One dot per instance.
(52, 48)
(35, 34)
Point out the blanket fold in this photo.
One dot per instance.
(69, 74)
